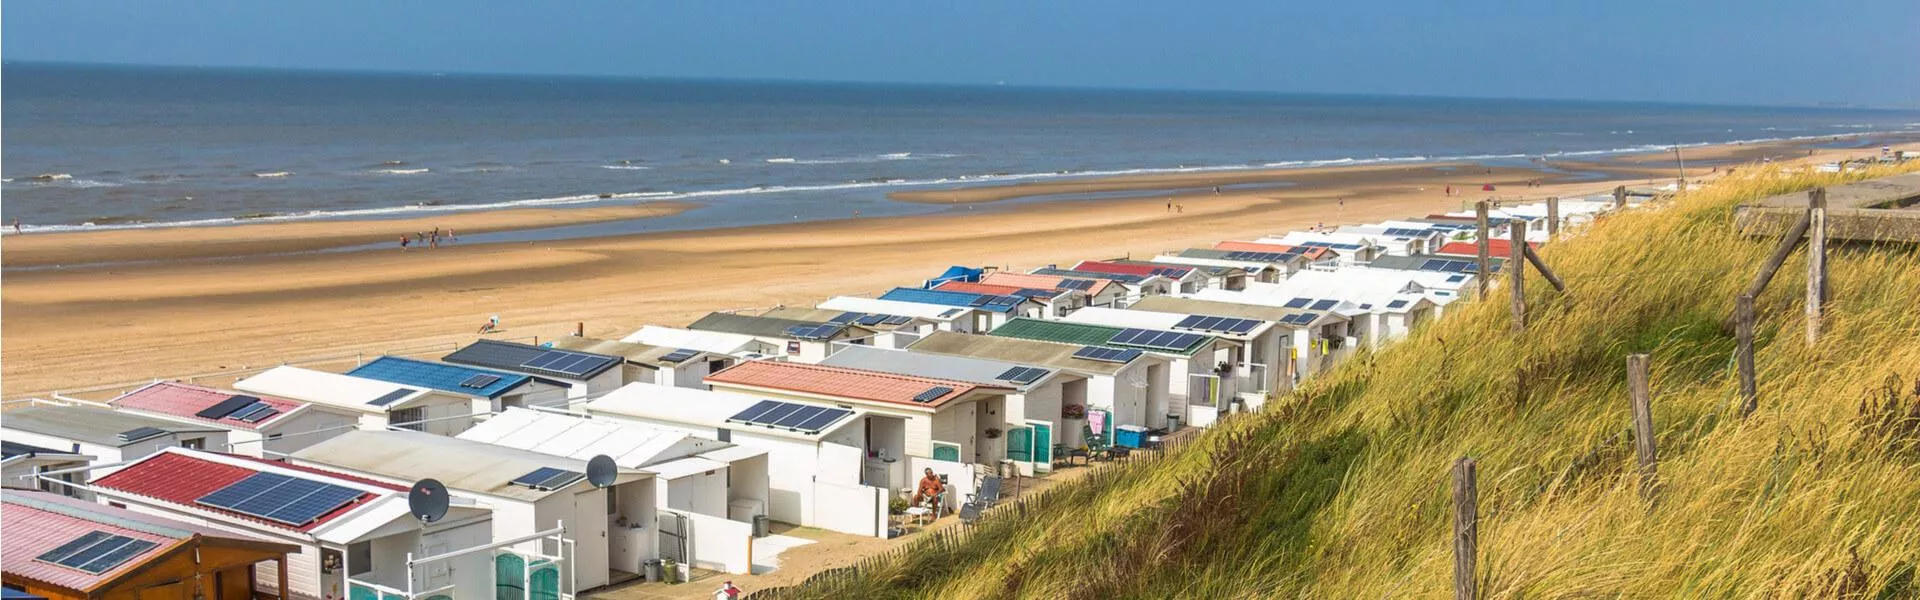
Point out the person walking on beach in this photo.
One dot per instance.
(450, 237)
(403, 242)
(434, 242)
(1169, 205)
(16, 224)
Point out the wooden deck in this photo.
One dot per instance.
(1880, 210)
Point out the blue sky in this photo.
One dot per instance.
(1766, 52)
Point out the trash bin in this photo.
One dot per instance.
(1008, 470)
(1173, 423)
(651, 569)
(761, 526)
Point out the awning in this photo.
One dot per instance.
(682, 467)
(733, 453)
(365, 519)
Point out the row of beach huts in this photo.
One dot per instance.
(521, 471)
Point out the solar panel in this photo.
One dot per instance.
(1077, 284)
(1191, 322)
(1103, 354)
(390, 397)
(827, 417)
(1268, 257)
(952, 312)
(280, 498)
(68, 549)
(1298, 302)
(846, 317)
(1324, 304)
(797, 417)
(896, 320)
(933, 393)
(548, 478)
(871, 320)
(96, 552)
(256, 416)
(679, 355)
(753, 412)
(979, 301)
(1396, 304)
(1022, 375)
(813, 332)
(140, 433)
(479, 381)
(1456, 278)
(226, 407)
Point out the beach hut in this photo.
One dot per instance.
(111, 437)
(1093, 291)
(375, 404)
(1280, 351)
(1218, 372)
(352, 536)
(941, 317)
(1054, 303)
(691, 473)
(1314, 255)
(715, 342)
(819, 461)
(801, 341)
(1034, 405)
(987, 311)
(1352, 248)
(1260, 266)
(613, 528)
(21, 466)
(488, 390)
(1136, 286)
(1380, 304)
(257, 425)
(1122, 387)
(60, 548)
(584, 374)
(1457, 272)
(1185, 280)
(660, 365)
(1195, 360)
(889, 331)
(1403, 238)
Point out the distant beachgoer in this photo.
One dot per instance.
(1449, 190)
(403, 241)
(727, 591)
(492, 325)
(16, 224)
(1169, 205)
(1216, 189)
(420, 237)
(450, 236)
(434, 242)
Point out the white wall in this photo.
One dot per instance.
(295, 431)
(854, 509)
(718, 544)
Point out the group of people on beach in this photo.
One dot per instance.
(430, 239)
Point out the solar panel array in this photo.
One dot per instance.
(1331, 245)
(479, 381)
(1396, 304)
(1299, 302)
(549, 478)
(846, 317)
(573, 364)
(254, 413)
(813, 332)
(1035, 293)
(1300, 318)
(1406, 232)
(225, 407)
(932, 393)
(1105, 354)
(140, 433)
(1456, 278)
(995, 300)
(1220, 324)
(1173, 272)
(790, 416)
(1267, 257)
(1449, 265)
(895, 320)
(96, 552)
(1158, 340)
(390, 397)
(1077, 284)
(1324, 304)
(680, 355)
(280, 498)
(1023, 375)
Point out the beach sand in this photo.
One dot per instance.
(69, 328)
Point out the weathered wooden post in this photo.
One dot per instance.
(1743, 353)
(1643, 423)
(1517, 272)
(1466, 530)
(1619, 196)
(1486, 268)
(1816, 263)
(1541, 266)
(1553, 218)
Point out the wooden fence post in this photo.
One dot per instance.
(1816, 263)
(1541, 266)
(1486, 268)
(1643, 447)
(1781, 251)
(1743, 331)
(1553, 218)
(1517, 273)
(1619, 196)
(1466, 530)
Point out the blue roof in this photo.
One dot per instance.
(991, 303)
(438, 376)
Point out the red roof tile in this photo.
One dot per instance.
(184, 400)
(180, 478)
(1126, 269)
(32, 532)
(980, 288)
(1045, 282)
(1495, 248)
(842, 382)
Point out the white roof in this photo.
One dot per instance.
(704, 341)
(466, 465)
(1296, 238)
(366, 518)
(329, 389)
(692, 407)
(1212, 262)
(630, 444)
(733, 454)
(682, 467)
(1146, 319)
(894, 307)
(1358, 290)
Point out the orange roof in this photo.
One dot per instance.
(1045, 282)
(842, 382)
(1494, 248)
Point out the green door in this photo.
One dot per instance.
(508, 569)
(946, 452)
(1020, 444)
(1042, 446)
(544, 583)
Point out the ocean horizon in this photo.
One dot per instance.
(112, 146)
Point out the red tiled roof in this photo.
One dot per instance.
(979, 288)
(1045, 282)
(1495, 248)
(1126, 269)
(180, 478)
(842, 382)
(184, 400)
(32, 532)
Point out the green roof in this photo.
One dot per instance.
(1077, 333)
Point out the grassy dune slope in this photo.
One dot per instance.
(1341, 491)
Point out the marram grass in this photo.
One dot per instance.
(1341, 490)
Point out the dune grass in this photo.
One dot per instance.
(1341, 489)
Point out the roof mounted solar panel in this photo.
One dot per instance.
(1022, 375)
(1324, 304)
(932, 393)
(140, 433)
(952, 312)
(1077, 284)
(801, 418)
(391, 397)
(97, 552)
(680, 355)
(248, 411)
(280, 498)
(221, 409)
(1396, 304)
(258, 415)
(820, 421)
(548, 478)
(1298, 302)
(753, 412)
(979, 301)
(1191, 322)
(846, 317)
(1239, 326)
(61, 552)
(479, 381)
(896, 320)
(871, 320)
(1105, 354)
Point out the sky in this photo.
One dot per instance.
(1707, 51)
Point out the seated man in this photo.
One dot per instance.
(930, 487)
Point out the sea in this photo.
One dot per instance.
(112, 147)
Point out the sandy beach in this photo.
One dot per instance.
(70, 328)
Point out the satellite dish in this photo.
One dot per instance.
(601, 470)
(428, 500)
